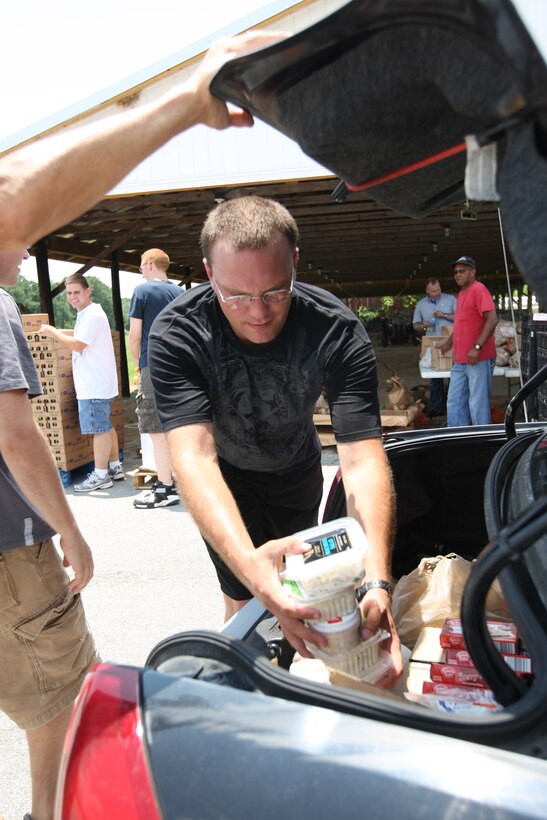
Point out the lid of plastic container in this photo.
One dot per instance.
(338, 543)
(339, 624)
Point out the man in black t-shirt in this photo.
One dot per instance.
(237, 366)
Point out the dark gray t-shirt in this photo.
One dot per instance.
(21, 524)
(260, 398)
(148, 300)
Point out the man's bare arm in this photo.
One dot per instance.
(51, 181)
(135, 339)
(63, 338)
(29, 460)
(213, 508)
(370, 500)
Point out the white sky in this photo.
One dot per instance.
(56, 52)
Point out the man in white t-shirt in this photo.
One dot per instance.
(95, 380)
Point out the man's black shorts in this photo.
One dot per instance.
(272, 505)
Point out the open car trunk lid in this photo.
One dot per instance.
(379, 86)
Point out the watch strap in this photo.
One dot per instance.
(378, 584)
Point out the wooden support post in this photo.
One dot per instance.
(44, 284)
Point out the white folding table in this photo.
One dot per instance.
(508, 372)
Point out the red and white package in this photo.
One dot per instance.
(503, 634)
(458, 657)
(457, 675)
(457, 692)
(520, 664)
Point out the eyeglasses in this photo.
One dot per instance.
(270, 297)
(462, 270)
(143, 264)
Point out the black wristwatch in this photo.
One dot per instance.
(477, 346)
(380, 584)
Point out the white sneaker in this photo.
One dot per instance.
(93, 482)
(116, 473)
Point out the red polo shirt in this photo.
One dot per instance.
(469, 322)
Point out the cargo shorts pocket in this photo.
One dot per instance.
(57, 642)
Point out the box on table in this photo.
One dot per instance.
(439, 361)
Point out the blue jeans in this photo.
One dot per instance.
(469, 393)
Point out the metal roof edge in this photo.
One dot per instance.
(93, 102)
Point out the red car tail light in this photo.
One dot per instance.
(104, 770)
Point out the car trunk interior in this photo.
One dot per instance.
(439, 485)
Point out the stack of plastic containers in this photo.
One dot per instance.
(326, 577)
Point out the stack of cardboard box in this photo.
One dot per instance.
(56, 411)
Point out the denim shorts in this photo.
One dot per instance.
(94, 416)
(45, 644)
(147, 414)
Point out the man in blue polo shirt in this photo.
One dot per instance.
(432, 313)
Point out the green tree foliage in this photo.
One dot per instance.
(27, 296)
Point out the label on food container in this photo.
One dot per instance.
(329, 544)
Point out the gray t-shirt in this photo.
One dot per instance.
(21, 523)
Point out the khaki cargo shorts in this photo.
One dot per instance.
(46, 647)
(147, 414)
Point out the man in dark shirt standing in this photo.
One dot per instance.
(148, 300)
(237, 366)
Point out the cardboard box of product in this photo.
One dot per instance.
(503, 634)
(62, 388)
(54, 369)
(56, 421)
(34, 321)
(68, 436)
(439, 361)
(53, 403)
(69, 459)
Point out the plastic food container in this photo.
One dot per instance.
(334, 561)
(335, 606)
(342, 633)
(365, 661)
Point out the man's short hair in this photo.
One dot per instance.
(158, 258)
(248, 222)
(77, 279)
(432, 281)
